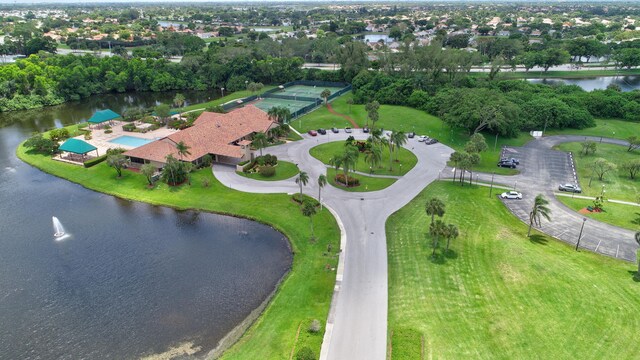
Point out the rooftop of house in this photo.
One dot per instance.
(212, 133)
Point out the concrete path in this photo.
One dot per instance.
(542, 170)
(357, 323)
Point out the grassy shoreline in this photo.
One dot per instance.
(305, 292)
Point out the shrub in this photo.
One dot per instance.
(267, 171)
(58, 134)
(108, 131)
(128, 127)
(352, 181)
(248, 165)
(87, 136)
(305, 354)
(300, 199)
(95, 161)
(207, 160)
(41, 144)
(115, 151)
(216, 109)
(315, 326)
(206, 182)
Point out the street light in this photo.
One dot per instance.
(222, 90)
(584, 220)
(491, 188)
(602, 192)
(515, 185)
(246, 84)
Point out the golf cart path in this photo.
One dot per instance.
(357, 323)
(543, 169)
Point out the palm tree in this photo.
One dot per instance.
(437, 229)
(325, 95)
(260, 141)
(302, 179)
(178, 101)
(389, 144)
(452, 233)
(399, 138)
(539, 209)
(350, 102)
(456, 157)
(433, 207)
(183, 149)
(373, 156)
(322, 181)
(309, 209)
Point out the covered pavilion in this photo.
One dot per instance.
(76, 150)
(102, 116)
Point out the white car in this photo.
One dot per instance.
(511, 195)
(422, 138)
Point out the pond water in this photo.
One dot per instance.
(130, 279)
(626, 83)
(375, 38)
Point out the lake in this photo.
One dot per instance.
(375, 38)
(131, 279)
(626, 83)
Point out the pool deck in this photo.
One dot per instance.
(101, 140)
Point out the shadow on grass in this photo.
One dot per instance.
(538, 239)
(634, 275)
(450, 254)
(437, 259)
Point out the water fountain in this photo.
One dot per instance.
(58, 229)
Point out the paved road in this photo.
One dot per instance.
(357, 323)
(542, 170)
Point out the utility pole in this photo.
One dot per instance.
(584, 220)
(491, 187)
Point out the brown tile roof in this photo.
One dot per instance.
(212, 133)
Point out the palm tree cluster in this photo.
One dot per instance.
(470, 157)
(279, 114)
(439, 229)
(347, 160)
(393, 143)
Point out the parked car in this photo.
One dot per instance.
(322, 131)
(312, 133)
(335, 130)
(507, 163)
(422, 138)
(570, 188)
(347, 130)
(411, 135)
(431, 141)
(511, 195)
(513, 160)
(365, 129)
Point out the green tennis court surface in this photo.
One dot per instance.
(293, 105)
(307, 91)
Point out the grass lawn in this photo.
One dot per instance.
(615, 214)
(367, 183)
(284, 170)
(222, 100)
(617, 183)
(304, 295)
(499, 295)
(619, 129)
(411, 120)
(406, 158)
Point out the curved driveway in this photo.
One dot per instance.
(543, 169)
(357, 323)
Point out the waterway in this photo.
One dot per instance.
(131, 279)
(626, 83)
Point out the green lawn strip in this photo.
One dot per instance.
(284, 170)
(367, 183)
(306, 292)
(621, 215)
(617, 183)
(406, 344)
(499, 295)
(610, 128)
(406, 158)
(235, 95)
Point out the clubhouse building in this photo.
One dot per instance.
(226, 137)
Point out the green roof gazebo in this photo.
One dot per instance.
(77, 146)
(103, 115)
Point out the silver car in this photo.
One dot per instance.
(570, 188)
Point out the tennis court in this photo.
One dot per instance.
(293, 105)
(307, 91)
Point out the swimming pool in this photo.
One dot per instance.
(130, 141)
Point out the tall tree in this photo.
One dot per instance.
(322, 182)
(163, 111)
(399, 138)
(183, 149)
(436, 230)
(179, 101)
(325, 95)
(433, 207)
(260, 141)
(601, 166)
(451, 233)
(118, 162)
(373, 156)
(302, 179)
(539, 209)
(372, 112)
(148, 170)
(309, 209)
